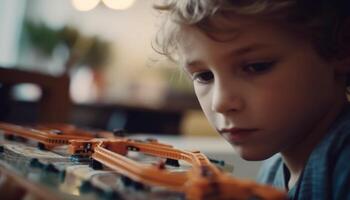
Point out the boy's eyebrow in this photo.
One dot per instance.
(248, 49)
(195, 63)
(191, 65)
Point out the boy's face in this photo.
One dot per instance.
(265, 90)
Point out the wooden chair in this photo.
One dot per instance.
(55, 103)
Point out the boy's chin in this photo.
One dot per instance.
(252, 154)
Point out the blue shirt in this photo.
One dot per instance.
(326, 175)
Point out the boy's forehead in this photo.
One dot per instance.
(224, 33)
(189, 34)
(221, 28)
(237, 28)
(244, 35)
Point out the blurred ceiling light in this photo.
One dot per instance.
(118, 4)
(85, 5)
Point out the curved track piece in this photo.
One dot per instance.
(202, 181)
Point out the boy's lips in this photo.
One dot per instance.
(236, 135)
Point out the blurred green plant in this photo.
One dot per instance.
(84, 50)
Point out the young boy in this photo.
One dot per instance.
(271, 77)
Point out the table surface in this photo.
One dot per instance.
(213, 147)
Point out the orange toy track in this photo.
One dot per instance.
(203, 181)
(47, 138)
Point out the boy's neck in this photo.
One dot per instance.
(296, 158)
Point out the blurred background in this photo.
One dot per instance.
(91, 63)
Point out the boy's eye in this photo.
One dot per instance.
(203, 77)
(258, 67)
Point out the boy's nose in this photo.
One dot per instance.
(226, 99)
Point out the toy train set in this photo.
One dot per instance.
(73, 163)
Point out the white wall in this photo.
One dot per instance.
(11, 15)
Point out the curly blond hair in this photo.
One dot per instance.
(326, 22)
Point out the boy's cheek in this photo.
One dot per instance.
(215, 120)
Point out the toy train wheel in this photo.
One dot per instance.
(9, 137)
(41, 146)
(138, 186)
(96, 165)
(125, 180)
(128, 182)
(172, 162)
